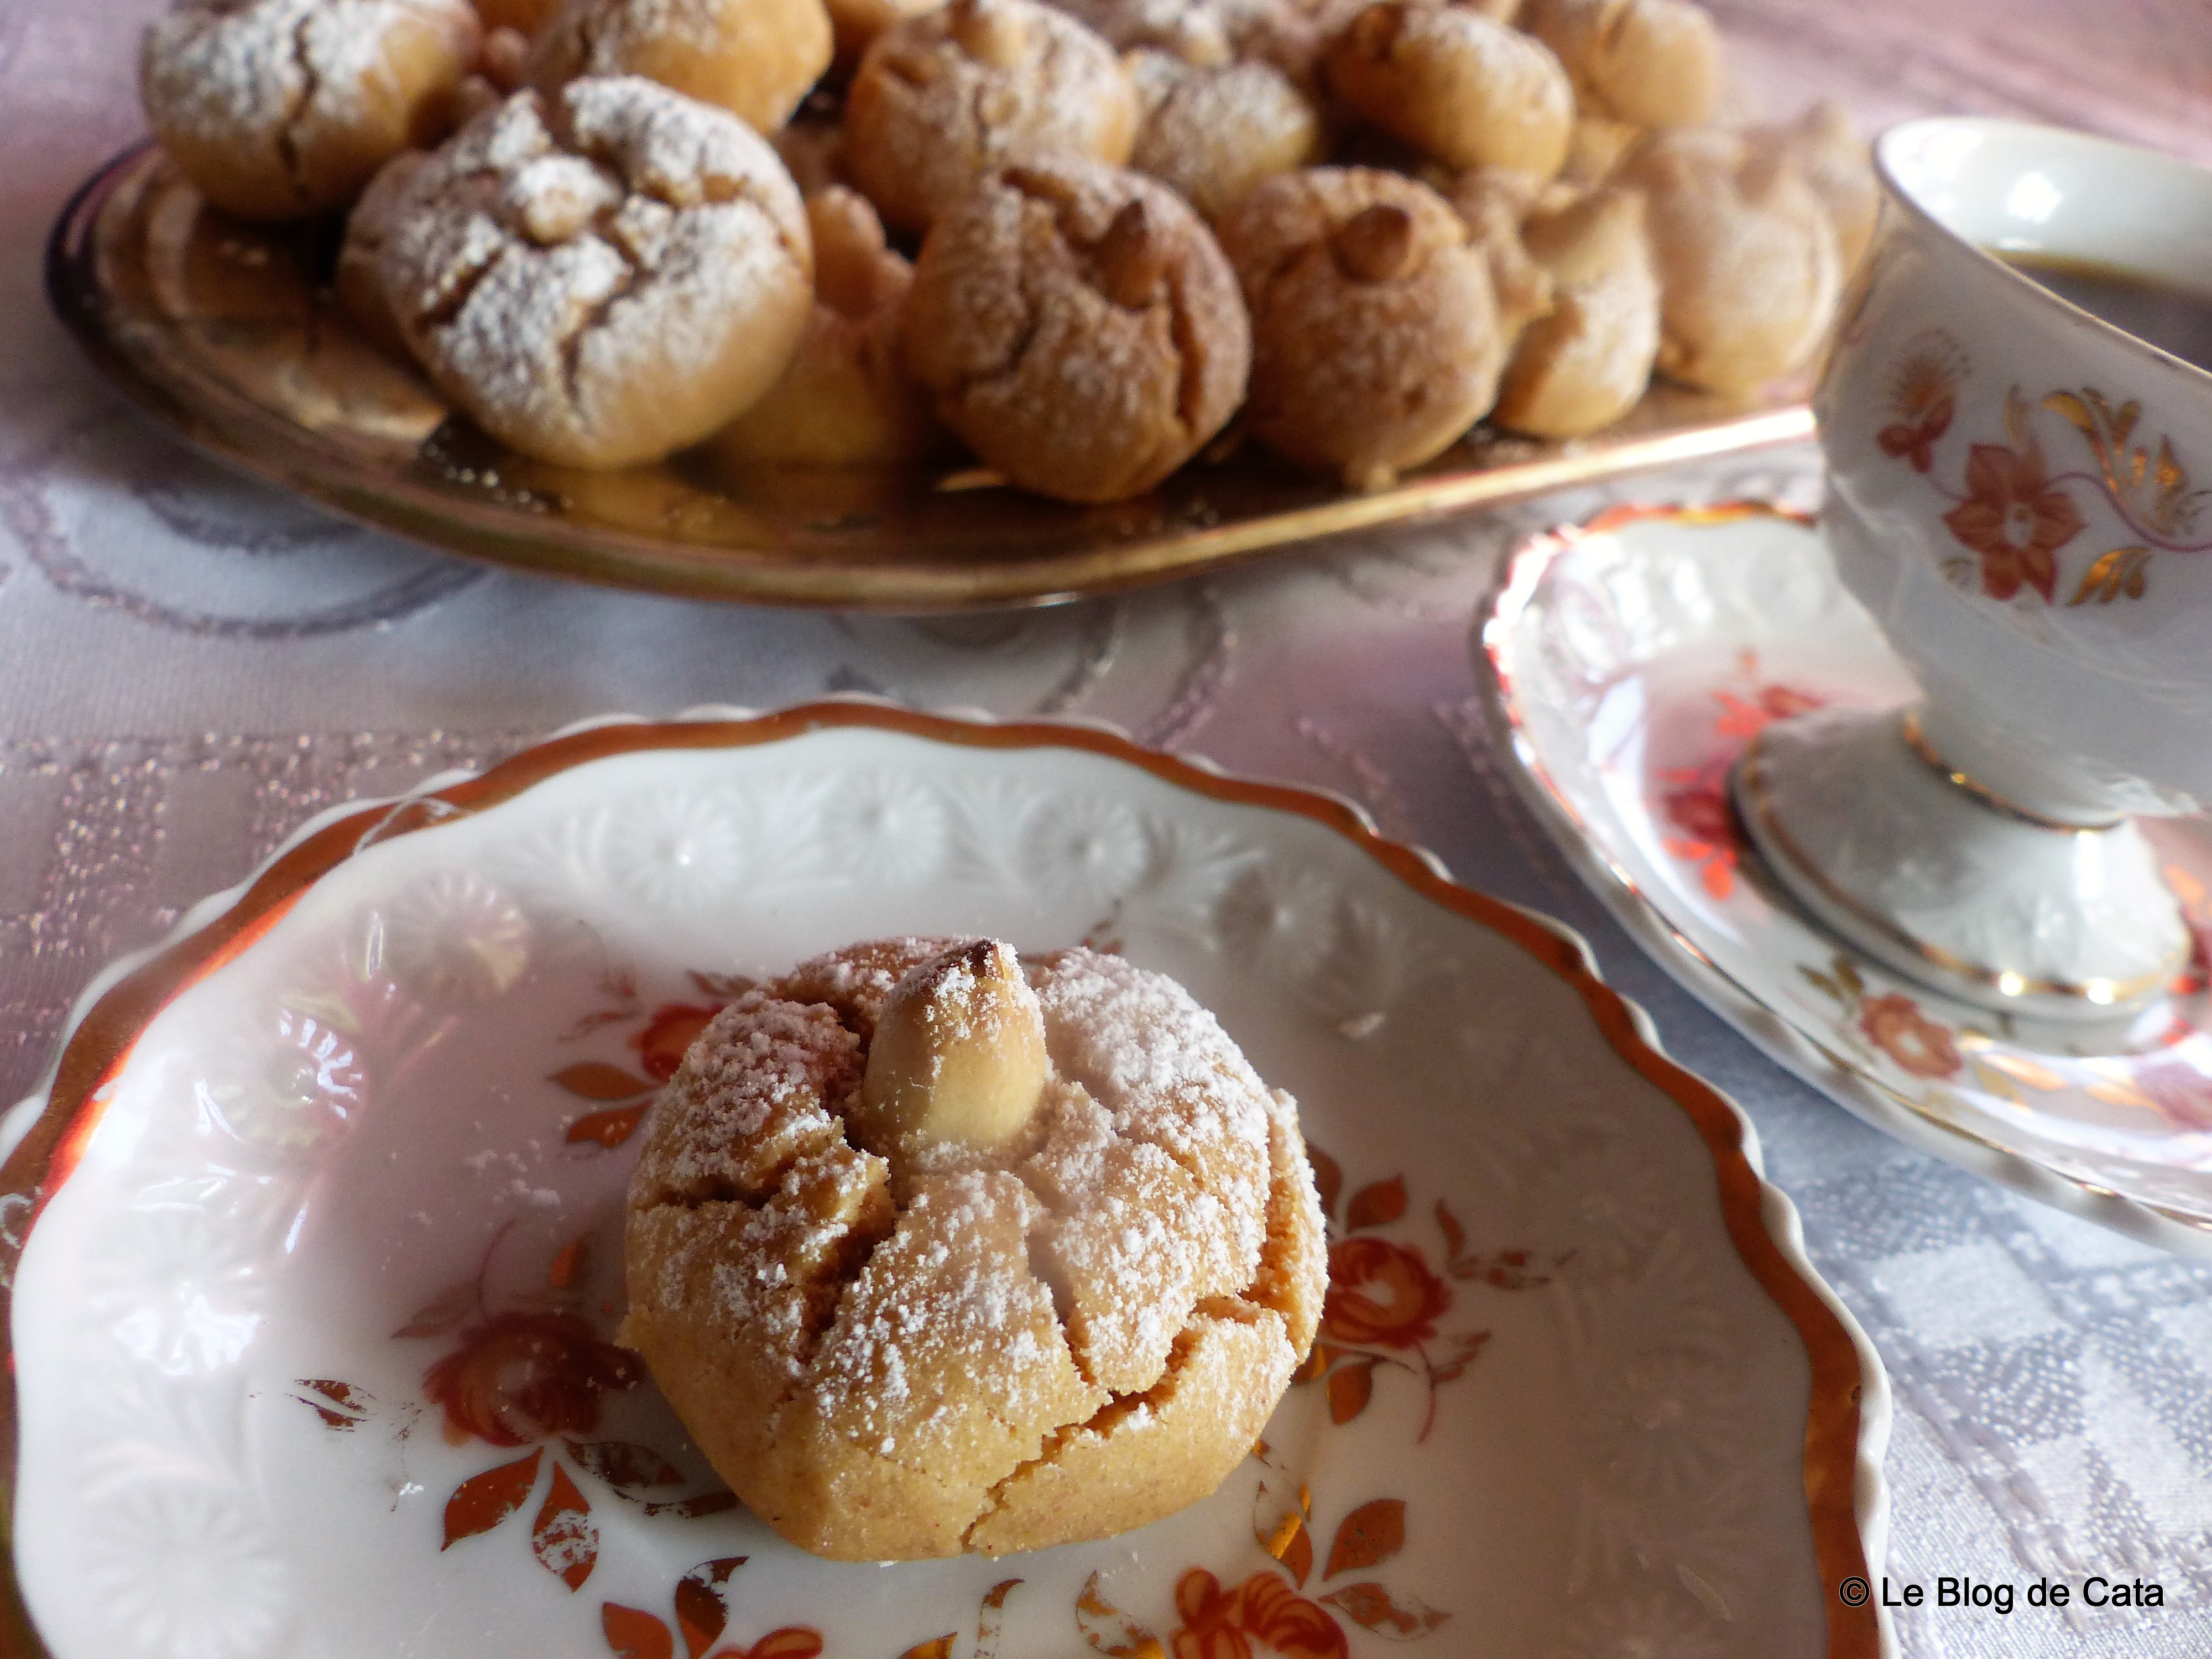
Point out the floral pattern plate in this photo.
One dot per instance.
(318, 1236)
(1630, 658)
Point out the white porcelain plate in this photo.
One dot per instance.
(1631, 659)
(310, 1329)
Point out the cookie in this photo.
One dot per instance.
(1647, 63)
(1748, 263)
(946, 97)
(1832, 158)
(935, 1251)
(282, 109)
(1210, 134)
(1206, 34)
(845, 399)
(1078, 328)
(1455, 85)
(369, 226)
(1375, 337)
(756, 58)
(1584, 364)
(603, 275)
(1493, 203)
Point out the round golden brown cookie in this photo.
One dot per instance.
(1079, 327)
(845, 399)
(1748, 263)
(1585, 364)
(1205, 33)
(756, 58)
(603, 275)
(369, 226)
(1649, 63)
(1210, 134)
(1493, 202)
(1375, 339)
(935, 1251)
(280, 109)
(1455, 85)
(1828, 151)
(978, 84)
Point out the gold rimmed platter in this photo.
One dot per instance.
(228, 335)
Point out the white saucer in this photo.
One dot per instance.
(1630, 660)
(309, 1332)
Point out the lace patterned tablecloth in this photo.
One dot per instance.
(192, 666)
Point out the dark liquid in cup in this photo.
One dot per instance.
(2172, 317)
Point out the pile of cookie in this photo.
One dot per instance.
(609, 230)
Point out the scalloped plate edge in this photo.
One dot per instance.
(1848, 1411)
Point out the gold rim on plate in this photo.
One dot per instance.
(228, 335)
(102, 1037)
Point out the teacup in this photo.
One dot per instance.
(2015, 493)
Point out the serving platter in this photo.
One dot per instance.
(312, 1240)
(227, 334)
(1629, 661)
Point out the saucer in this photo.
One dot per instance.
(310, 1334)
(1631, 659)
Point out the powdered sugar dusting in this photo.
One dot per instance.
(949, 1301)
(1043, 1298)
(295, 103)
(577, 272)
(758, 1091)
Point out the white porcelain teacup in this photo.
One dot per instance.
(2017, 493)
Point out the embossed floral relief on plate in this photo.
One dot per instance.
(314, 1343)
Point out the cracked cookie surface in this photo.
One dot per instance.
(1079, 327)
(941, 99)
(605, 275)
(756, 58)
(280, 109)
(1375, 334)
(899, 1339)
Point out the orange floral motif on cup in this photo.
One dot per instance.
(1381, 1293)
(522, 1377)
(1923, 396)
(2013, 513)
(1895, 1025)
(2014, 521)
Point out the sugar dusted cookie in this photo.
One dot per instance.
(1208, 33)
(845, 399)
(369, 226)
(937, 1250)
(280, 109)
(1649, 63)
(1079, 327)
(756, 58)
(946, 97)
(603, 275)
(1832, 158)
(1375, 337)
(1210, 134)
(1456, 86)
(1585, 365)
(1747, 262)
